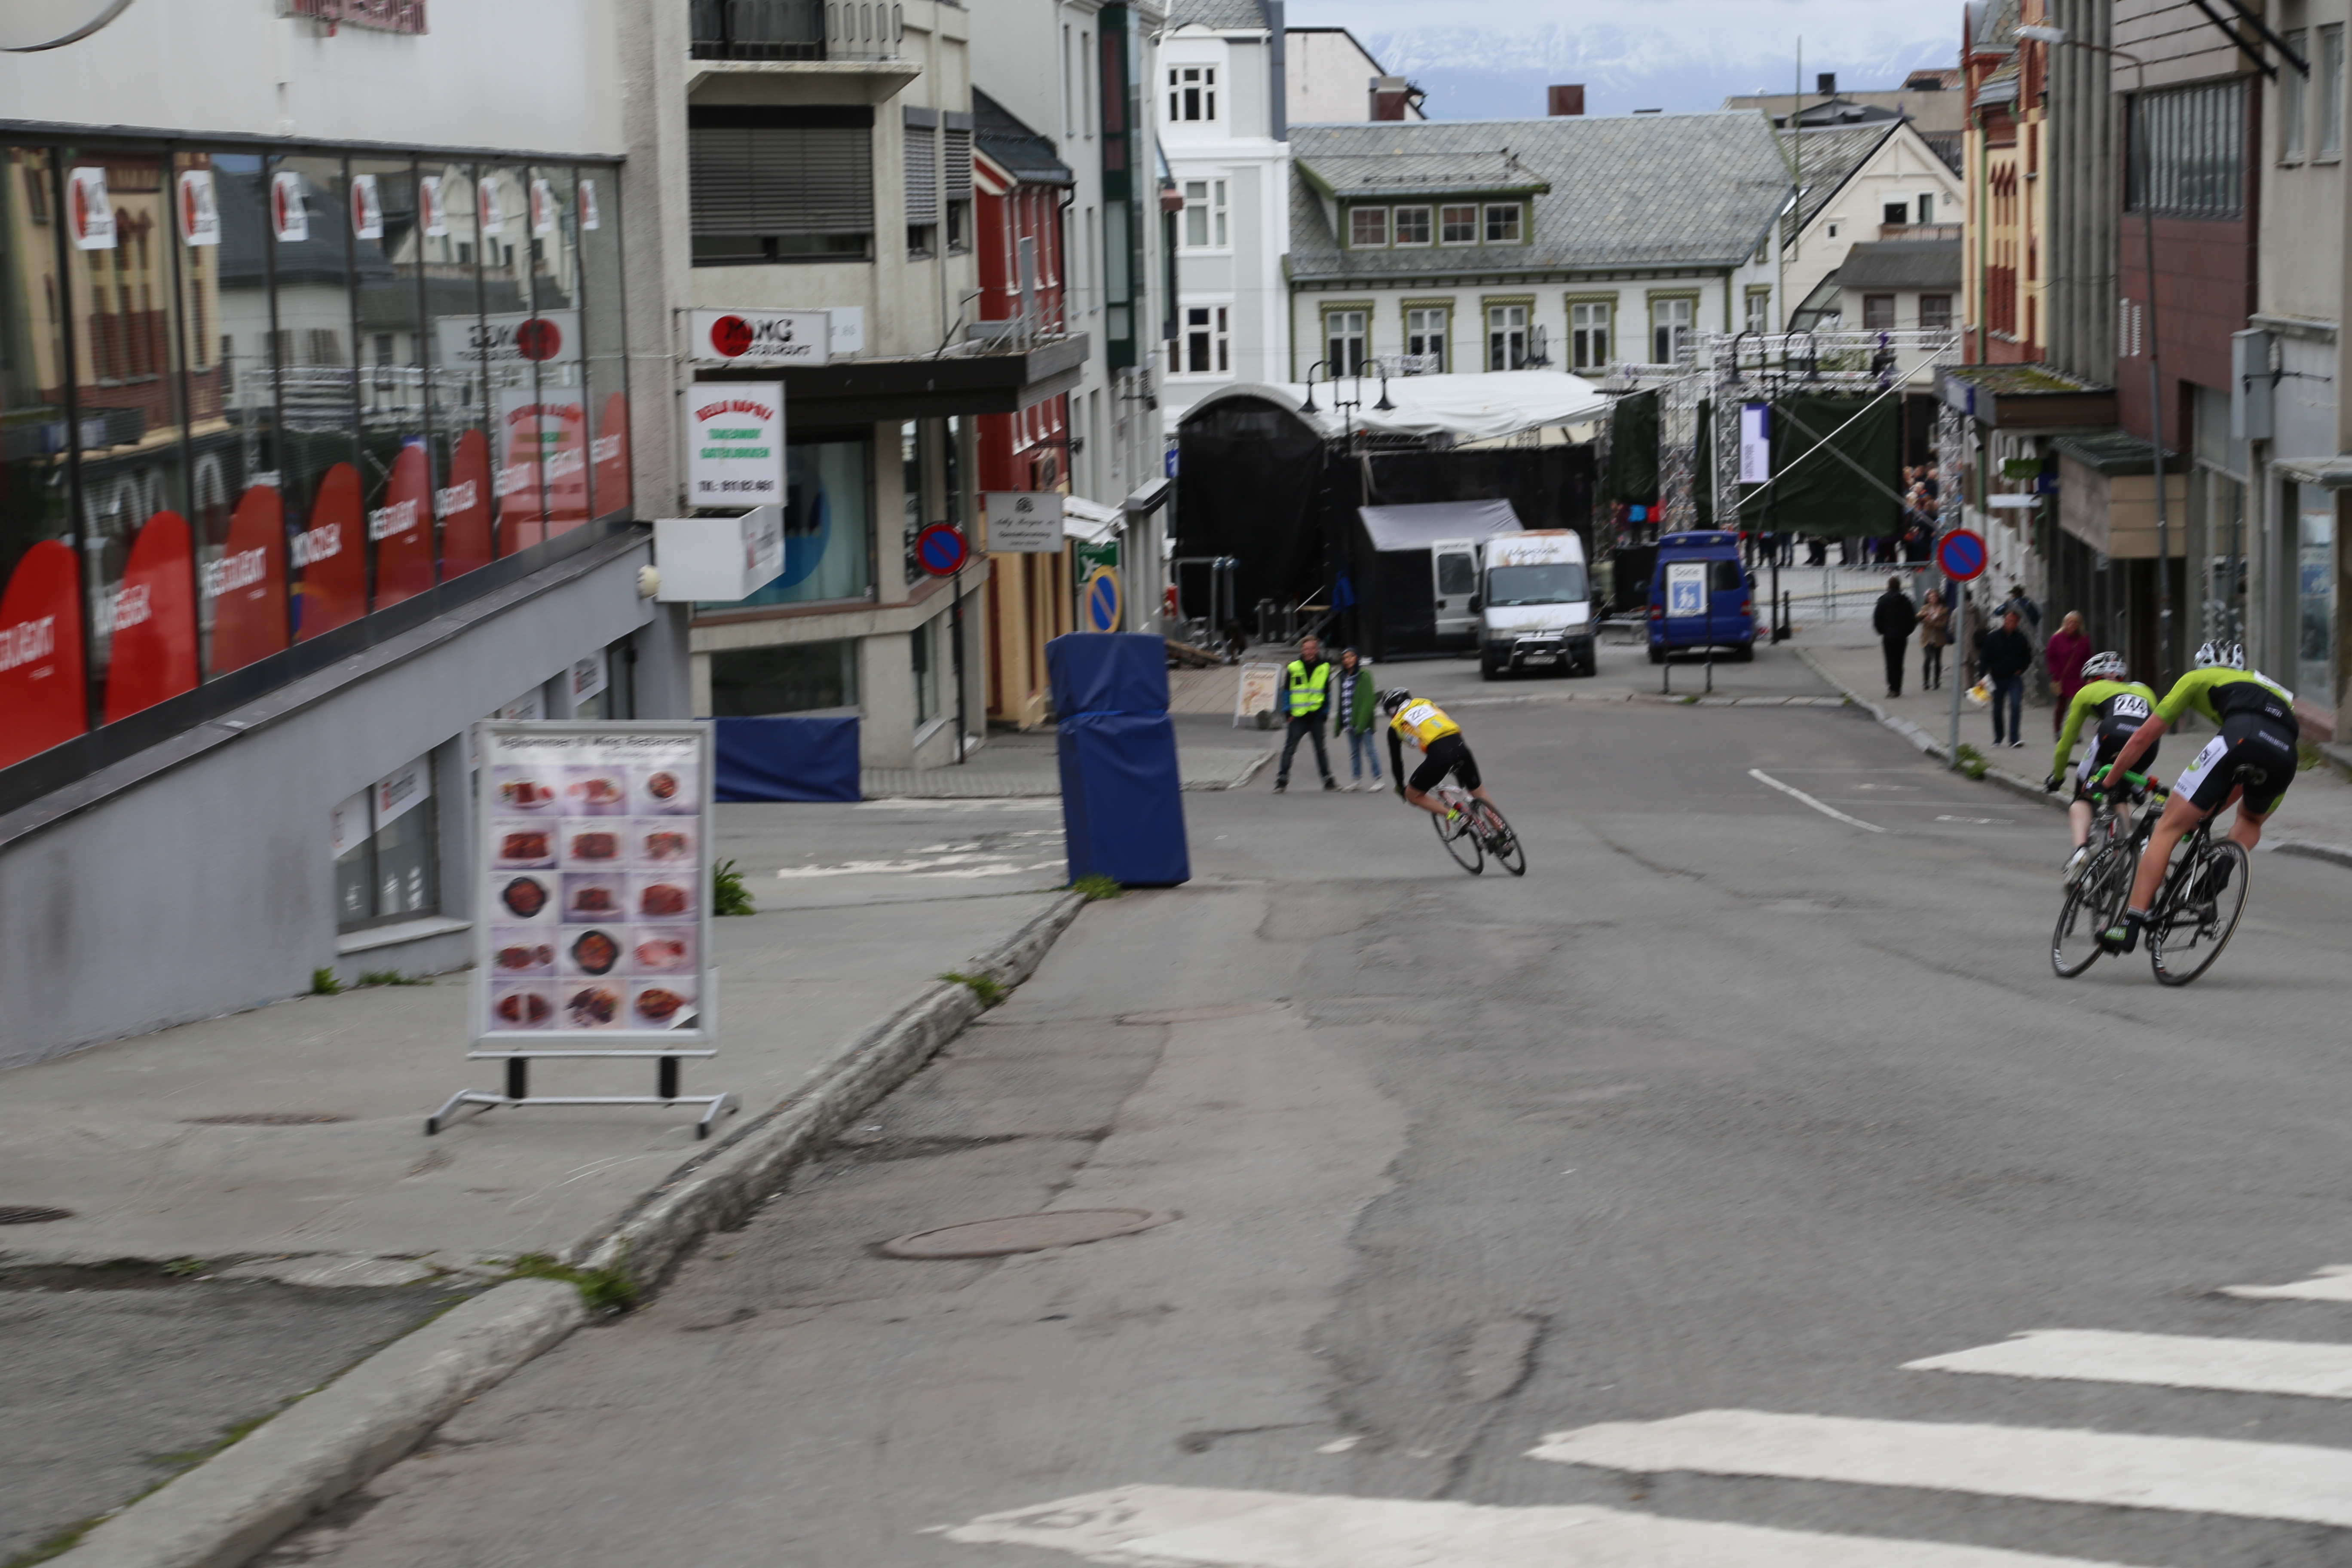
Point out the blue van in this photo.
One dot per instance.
(1701, 597)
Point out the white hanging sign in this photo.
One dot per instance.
(589, 219)
(735, 438)
(429, 209)
(1025, 523)
(543, 207)
(93, 212)
(199, 209)
(367, 208)
(762, 337)
(1755, 443)
(489, 206)
(290, 215)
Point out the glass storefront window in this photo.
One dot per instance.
(457, 412)
(507, 341)
(307, 203)
(395, 456)
(828, 502)
(596, 218)
(796, 678)
(2314, 663)
(554, 345)
(386, 849)
(240, 507)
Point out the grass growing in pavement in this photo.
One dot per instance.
(987, 987)
(606, 1289)
(392, 977)
(1096, 886)
(324, 984)
(728, 896)
(1972, 762)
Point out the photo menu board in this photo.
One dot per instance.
(593, 905)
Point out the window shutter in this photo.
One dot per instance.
(780, 179)
(922, 176)
(959, 164)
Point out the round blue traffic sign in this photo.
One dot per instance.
(941, 550)
(1102, 600)
(1962, 555)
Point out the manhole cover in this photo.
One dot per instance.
(1022, 1233)
(268, 1118)
(33, 1217)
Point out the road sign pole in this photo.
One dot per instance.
(1959, 646)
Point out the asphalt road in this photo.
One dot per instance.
(1730, 1105)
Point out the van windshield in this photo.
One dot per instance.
(1561, 582)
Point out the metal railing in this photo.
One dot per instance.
(796, 29)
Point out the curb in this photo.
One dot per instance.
(2310, 850)
(233, 1506)
(2000, 778)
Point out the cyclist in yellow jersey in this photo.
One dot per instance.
(2259, 733)
(1422, 723)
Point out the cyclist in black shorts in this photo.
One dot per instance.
(2112, 707)
(1439, 740)
(2259, 734)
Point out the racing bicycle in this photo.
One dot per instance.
(2096, 900)
(1476, 830)
(2195, 910)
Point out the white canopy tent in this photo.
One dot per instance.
(1466, 408)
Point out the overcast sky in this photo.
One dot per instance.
(1491, 60)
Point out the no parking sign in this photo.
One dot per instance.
(1962, 555)
(1100, 601)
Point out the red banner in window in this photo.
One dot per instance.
(154, 648)
(563, 425)
(402, 528)
(612, 456)
(40, 654)
(464, 507)
(522, 514)
(331, 557)
(247, 584)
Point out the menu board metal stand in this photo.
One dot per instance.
(593, 930)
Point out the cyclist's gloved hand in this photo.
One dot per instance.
(2050, 785)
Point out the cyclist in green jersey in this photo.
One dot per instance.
(2259, 733)
(2114, 706)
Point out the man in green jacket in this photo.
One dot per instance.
(1305, 689)
(1354, 713)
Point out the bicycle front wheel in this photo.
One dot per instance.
(2199, 914)
(1461, 841)
(2091, 906)
(1502, 843)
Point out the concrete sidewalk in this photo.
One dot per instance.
(288, 1142)
(1012, 765)
(2317, 818)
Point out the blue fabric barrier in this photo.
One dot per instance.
(785, 756)
(1122, 793)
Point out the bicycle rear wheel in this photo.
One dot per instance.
(2091, 906)
(1502, 843)
(1461, 841)
(2199, 914)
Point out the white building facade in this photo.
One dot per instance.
(1220, 89)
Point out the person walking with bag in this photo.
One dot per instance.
(1935, 637)
(1306, 686)
(1895, 620)
(1354, 713)
(2003, 658)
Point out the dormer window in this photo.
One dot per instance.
(1192, 92)
(1368, 228)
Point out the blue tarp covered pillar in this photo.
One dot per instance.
(1122, 797)
(785, 756)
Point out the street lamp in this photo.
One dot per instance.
(2057, 36)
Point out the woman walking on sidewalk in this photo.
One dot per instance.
(2063, 657)
(1935, 637)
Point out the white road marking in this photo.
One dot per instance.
(2170, 1361)
(1163, 1525)
(1760, 776)
(2332, 1285)
(2189, 1475)
(1977, 821)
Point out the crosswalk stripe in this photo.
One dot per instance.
(1160, 1525)
(2189, 1475)
(2335, 1284)
(2172, 1360)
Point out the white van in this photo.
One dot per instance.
(1535, 603)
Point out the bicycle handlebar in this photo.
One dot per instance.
(2135, 781)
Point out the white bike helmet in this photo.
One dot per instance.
(2105, 667)
(2225, 655)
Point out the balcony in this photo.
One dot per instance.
(796, 30)
(1921, 231)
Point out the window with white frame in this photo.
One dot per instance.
(1368, 228)
(1926, 206)
(1208, 340)
(1424, 339)
(1458, 224)
(1760, 311)
(1670, 328)
(1506, 337)
(1192, 92)
(1413, 226)
(2329, 70)
(1343, 338)
(2294, 104)
(1588, 334)
(1878, 312)
(1204, 214)
(1503, 223)
(1934, 313)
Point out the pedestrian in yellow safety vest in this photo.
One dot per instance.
(1305, 684)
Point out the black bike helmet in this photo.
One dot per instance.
(1394, 698)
